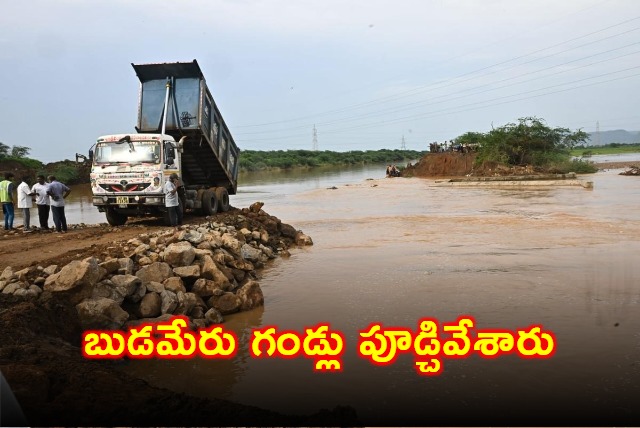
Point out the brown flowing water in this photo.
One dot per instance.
(397, 250)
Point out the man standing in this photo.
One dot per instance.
(6, 197)
(171, 200)
(42, 201)
(58, 191)
(25, 203)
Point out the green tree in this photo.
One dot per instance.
(530, 141)
(4, 150)
(470, 138)
(20, 151)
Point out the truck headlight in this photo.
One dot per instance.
(153, 200)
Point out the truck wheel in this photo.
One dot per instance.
(209, 202)
(223, 199)
(114, 218)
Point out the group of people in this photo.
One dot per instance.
(393, 171)
(48, 195)
(452, 146)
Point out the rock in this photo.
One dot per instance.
(101, 314)
(272, 225)
(11, 288)
(267, 251)
(3, 284)
(231, 243)
(111, 265)
(204, 245)
(155, 287)
(35, 288)
(210, 270)
(143, 261)
(188, 273)
(174, 284)
(186, 302)
(256, 207)
(150, 305)
(138, 294)
(179, 254)
(241, 264)
(169, 301)
(157, 272)
(213, 316)
(141, 249)
(193, 237)
(39, 280)
(196, 312)
(106, 290)
(288, 230)
(200, 253)
(250, 253)
(226, 303)
(250, 295)
(7, 274)
(238, 274)
(302, 239)
(126, 266)
(205, 287)
(22, 274)
(21, 292)
(75, 274)
(126, 285)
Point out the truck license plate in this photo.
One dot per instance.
(122, 201)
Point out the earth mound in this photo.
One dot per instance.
(452, 164)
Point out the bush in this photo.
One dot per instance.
(26, 162)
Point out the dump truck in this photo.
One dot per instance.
(179, 130)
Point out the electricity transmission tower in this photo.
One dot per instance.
(315, 139)
(597, 133)
(403, 146)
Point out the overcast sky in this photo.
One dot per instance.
(365, 73)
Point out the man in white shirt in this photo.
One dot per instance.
(42, 201)
(25, 203)
(171, 199)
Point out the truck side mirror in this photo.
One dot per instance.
(170, 155)
(91, 156)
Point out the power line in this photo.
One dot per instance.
(452, 80)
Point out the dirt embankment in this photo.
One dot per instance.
(453, 164)
(464, 164)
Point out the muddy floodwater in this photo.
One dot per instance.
(396, 250)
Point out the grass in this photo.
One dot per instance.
(610, 149)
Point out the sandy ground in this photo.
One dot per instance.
(19, 250)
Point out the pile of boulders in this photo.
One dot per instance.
(203, 271)
(633, 170)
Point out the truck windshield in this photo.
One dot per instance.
(134, 152)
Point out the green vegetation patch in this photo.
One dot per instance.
(529, 142)
(253, 160)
